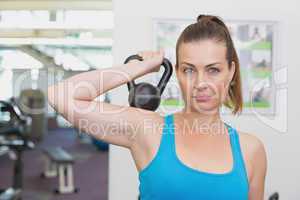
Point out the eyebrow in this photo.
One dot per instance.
(209, 65)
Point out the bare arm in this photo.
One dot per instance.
(259, 165)
(74, 98)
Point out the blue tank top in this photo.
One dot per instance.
(167, 178)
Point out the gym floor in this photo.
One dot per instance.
(90, 169)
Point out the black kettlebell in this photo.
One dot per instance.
(274, 196)
(145, 95)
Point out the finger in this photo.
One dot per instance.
(143, 55)
(161, 52)
(153, 54)
(140, 54)
(148, 55)
(158, 54)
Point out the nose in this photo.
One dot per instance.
(201, 87)
(201, 82)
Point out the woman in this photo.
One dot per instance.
(191, 154)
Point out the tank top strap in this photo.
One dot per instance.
(167, 138)
(236, 148)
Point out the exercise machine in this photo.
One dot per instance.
(14, 129)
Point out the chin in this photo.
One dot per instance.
(205, 110)
(205, 107)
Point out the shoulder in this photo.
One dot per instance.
(254, 153)
(251, 142)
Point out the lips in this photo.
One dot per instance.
(202, 98)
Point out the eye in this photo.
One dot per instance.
(213, 70)
(188, 70)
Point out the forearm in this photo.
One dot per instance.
(88, 85)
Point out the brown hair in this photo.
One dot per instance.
(212, 27)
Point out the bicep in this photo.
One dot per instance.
(259, 165)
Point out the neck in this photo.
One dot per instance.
(202, 122)
(208, 117)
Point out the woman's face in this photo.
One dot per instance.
(204, 75)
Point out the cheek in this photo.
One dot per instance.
(221, 90)
(186, 85)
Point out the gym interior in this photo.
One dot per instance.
(42, 42)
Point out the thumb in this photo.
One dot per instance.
(161, 51)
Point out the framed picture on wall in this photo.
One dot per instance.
(255, 42)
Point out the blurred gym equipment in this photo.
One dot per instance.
(60, 163)
(32, 103)
(14, 129)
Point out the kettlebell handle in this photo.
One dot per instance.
(165, 77)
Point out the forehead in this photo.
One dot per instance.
(202, 52)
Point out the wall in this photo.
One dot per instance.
(133, 32)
